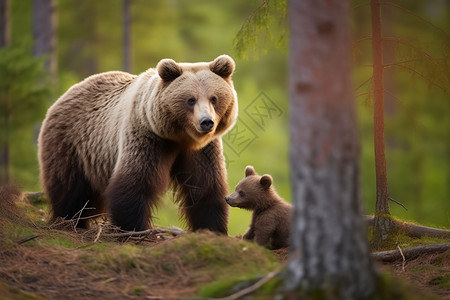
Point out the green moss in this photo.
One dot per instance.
(13, 233)
(38, 200)
(387, 288)
(399, 238)
(138, 290)
(59, 241)
(37, 215)
(224, 287)
(441, 281)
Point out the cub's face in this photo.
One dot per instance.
(198, 101)
(250, 190)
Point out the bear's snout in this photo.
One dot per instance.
(206, 124)
(230, 201)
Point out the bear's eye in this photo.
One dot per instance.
(241, 193)
(213, 100)
(191, 101)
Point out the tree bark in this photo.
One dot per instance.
(126, 16)
(328, 230)
(44, 32)
(383, 225)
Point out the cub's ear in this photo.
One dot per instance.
(223, 66)
(168, 69)
(266, 181)
(249, 170)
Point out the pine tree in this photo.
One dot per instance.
(328, 232)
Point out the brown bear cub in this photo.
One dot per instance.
(271, 219)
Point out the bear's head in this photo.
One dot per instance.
(254, 192)
(195, 102)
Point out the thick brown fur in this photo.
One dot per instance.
(115, 142)
(271, 218)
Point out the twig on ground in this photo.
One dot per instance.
(98, 233)
(79, 213)
(403, 257)
(27, 239)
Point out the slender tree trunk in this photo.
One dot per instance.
(126, 16)
(4, 23)
(44, 32)
(4, 116)
(383, 224)
(328, 232)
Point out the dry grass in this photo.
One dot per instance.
(37, 260)
(40, 261)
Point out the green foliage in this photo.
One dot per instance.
(24, 95)
(266, 23)
(24, 87)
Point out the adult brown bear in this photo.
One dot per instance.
(116, 142)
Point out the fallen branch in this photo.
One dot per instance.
(409, 253)
(262, 281)
(415, 231)
(173, 230)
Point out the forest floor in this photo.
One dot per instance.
(38, 261)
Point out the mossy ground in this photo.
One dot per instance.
(57, 262)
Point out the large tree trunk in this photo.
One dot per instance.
(44, 32)
(383, 225)
(4, 115)
(328, 233)
(126, 16)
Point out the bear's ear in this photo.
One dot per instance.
(223, 66)
(266, 181)
(168, 69)
(249, 170)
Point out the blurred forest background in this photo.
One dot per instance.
(89, 39)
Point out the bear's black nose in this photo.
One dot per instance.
(206, 124)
